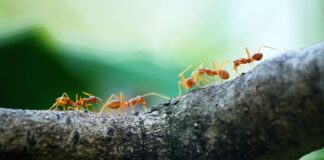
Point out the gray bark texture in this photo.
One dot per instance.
(274, 111)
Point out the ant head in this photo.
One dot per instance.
(257, 56)
(236, 62)
(93, 99)
(201, 71)
(140, 99)
(223, 74)
(190, 82)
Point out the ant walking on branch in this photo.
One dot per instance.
(63, 101)
(115, 102)
(67, 104)
(87, 102)
(190, 82)
(255, 57)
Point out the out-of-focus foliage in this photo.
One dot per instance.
(50, 47)
(316, 155)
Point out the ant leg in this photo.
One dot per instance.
(235, 69)
(57, 108)
(204, 80)
(122, 102)
(179, 87)
(126, 108)
(100, 101)
(129, 106)
(198, 67)
(156, 94)
(195, 73)
(93, 109)
(144, 107)
(54, 105)
(109, 99)
(120, 111)
(102, 109)
(214, 67)
(185, 87)
(248, 53)
(183, 72)
(222, 65)
(66, 95)
(182, 79)
(71, 108)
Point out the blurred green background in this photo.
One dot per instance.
(105, 46)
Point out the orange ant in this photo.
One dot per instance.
(120, 103)
(214, 72)
(87, 102)
(190, 82)
(255, 57)
(63, 101)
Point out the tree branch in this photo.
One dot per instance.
(275, 111)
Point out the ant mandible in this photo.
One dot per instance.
(63, 101)
(120, 103)
(190, 82)
(255, 57)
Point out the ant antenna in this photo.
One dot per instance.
(65, 94)
(197, 68)
(264, 46)
(222, 65)
(88, 94)
(156, 94)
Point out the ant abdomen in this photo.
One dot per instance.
(257, 56)
(223, 74)
(114, 104)
(190, 82)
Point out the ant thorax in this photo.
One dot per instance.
(62, 100)
(243, 61)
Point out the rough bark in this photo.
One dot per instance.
(274, 111)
